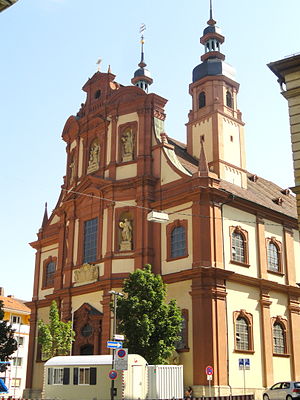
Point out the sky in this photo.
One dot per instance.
(49, 49)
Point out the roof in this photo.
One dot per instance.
(80, 360)
(259, 190)
(13, 304)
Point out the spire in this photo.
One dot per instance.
(45, 218)
(211, 12)
(202, 166)
(142, 77)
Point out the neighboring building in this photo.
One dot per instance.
(229, 253)
(6, 3)
(17, 314)
(288, 72)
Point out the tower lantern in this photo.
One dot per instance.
(142, 77)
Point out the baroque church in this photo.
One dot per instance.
(225, 240)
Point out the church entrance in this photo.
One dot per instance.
(88, 328)
(87, 350)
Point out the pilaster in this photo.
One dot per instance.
(267, 339)
(294, 317)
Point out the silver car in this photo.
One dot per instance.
(283, 391)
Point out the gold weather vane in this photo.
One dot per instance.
(99, 61)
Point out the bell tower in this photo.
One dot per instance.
(215, 119)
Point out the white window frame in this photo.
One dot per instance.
(18, 318)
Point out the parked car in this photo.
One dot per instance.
(283, 391)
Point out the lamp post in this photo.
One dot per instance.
(115, 294)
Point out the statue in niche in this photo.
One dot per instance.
(72, 170)
(126, 235)
(94, 157)
(127, 140)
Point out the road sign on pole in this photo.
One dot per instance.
(121, 359)
(113, 374)
(114, 345)
(209, 370)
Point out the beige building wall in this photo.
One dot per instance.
(244, 297)
(179, 292)
(204, 129)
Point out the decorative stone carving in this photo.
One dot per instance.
(127, 140)
(72, 170)
(87, 272)
(126, 235)
(94, 157)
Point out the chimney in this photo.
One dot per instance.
(1, 291)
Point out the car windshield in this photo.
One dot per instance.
(297, 384)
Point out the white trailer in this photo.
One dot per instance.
(87, 378)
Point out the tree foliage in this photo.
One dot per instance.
(150, 325)
(56, 337)
(8, 344)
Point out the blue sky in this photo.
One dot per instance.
(49, 49)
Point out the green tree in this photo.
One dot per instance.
(150, 325)
(56, 337)
(8, 344)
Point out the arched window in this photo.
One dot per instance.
(239, 250)
(229, 102)
(243, 329)
(242, 334)
(178, 242)
(279, 342)
(202, 100)
(274, 255)
(50, 269)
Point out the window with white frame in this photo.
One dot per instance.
(15, 382)
(58, 374)
(20, 340)
(15, 319)
(17, 361)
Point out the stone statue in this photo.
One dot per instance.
(127, 140)
(72, 169)
(126, 235)
(94, 157)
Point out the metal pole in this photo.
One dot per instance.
(115, 294)
(244, 371)
(112, 388)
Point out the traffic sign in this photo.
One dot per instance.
(209, 377)
(209, 370)
(121, 359)
(118, 337)
(244, 363)
(113, 374)
(114, 345)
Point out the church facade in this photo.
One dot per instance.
(229, 251)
